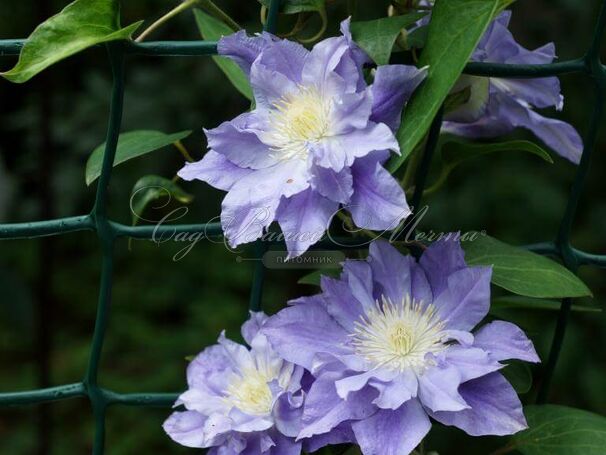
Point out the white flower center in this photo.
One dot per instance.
(299, 119)
(398, 335)
(250, 392)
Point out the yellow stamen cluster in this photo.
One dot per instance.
(250, 392)
(398, 335)
(298, 119)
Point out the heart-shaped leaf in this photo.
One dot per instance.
(131, 145)
(82, 24)
(523, 272)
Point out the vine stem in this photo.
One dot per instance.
(187, 4)
(207, 5)
(263, 15)
(184, 152)
(299, 25)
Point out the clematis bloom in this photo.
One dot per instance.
(390, 344)
(316, 140)
(240, 400)
(499, 105)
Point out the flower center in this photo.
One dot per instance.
(250, 393)
(299, 119)
(398, 335)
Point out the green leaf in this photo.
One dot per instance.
(377, 37)
(455, 29)
(417, 38)
(560, 430)
(298, 6)
(213, 29)
(513, 302)
(150, 188)
(519, 376)
(80, 25)
(313, 278)
(503, 4)
(131, 145)
(523, 272)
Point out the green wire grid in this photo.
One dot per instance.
(109, 231)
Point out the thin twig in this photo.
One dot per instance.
(168, 16)
(179, 146)
(206, 5)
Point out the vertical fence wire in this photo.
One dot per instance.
(106, 237)
(256, 290)
(598, 74)
(107, 230)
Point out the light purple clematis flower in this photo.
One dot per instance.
(499, 105)
(240, 400)
(391, 344)
(316, 140)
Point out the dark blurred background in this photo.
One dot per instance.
(164, 311)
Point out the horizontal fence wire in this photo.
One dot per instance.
(108, 231)
(201, 48)
(79, 390)
(154, 48)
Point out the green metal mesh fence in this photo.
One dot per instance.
(109, 231)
